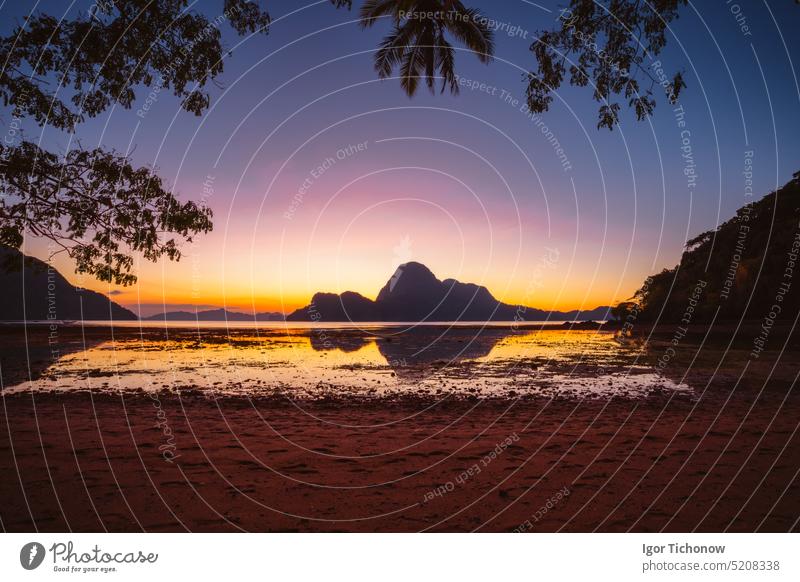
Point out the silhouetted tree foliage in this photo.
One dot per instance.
(94, 204)
(748, 263)
(99, 194)
(622, 310)
(418, 46)
(609, 44)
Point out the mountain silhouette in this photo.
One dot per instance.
(414, 294)
(32, 291)
(348, 306)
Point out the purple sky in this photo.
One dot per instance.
(322, 177)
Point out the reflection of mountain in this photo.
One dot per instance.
(38, 293)
(410, 350)
(335, 340)
(415, 294)
(430, 345)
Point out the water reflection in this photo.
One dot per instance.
(412, 349)
(324, 341)
(429, 346)
(379, 361)
(28, 353)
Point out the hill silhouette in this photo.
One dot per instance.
(414, 294)
(742, 267)
(32, 292)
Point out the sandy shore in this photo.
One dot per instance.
(89, 463)
(724, 457)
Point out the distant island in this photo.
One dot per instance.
(214, 315)
(35, 291)
(414, 294)
(743, 269)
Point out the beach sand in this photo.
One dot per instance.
(723, 459)
(92, 463)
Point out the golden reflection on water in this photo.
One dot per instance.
(376, 362)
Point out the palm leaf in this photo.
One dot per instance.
(471, 29)
(391, 51)
(411, 69)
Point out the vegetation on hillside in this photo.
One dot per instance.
(747, 268)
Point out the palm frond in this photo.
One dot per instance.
(429, 55)
(391, 51)
(419, 47)
(445, 64)
(471, 28)
(411, 69)
(373, 10)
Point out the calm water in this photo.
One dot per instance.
(364, 360)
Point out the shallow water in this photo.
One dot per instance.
(374, 361)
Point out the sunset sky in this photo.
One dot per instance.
(324, 178)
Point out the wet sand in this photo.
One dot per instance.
(724, 457)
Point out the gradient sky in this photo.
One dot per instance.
(467, 184)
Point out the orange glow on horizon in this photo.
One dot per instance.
(288, 303)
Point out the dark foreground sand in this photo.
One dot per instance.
(726, 458)
(93, 463)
